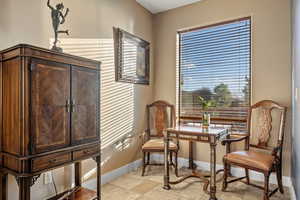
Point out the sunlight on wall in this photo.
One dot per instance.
(117, 99)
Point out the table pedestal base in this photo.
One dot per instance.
(197, 134)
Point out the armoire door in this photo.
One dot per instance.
(50, 110)
(85, 105)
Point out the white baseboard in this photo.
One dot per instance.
(183, 162)
(120, 171)
(110, 176)
(292, 193)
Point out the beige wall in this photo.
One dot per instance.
(271, 58)
(29, 22)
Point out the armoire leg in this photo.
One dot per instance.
(78, 173)
(3, 188)
(98, 160)
(24, 187)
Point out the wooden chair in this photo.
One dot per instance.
(263, 146)
(160, 115)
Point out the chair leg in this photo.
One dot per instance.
(247, 176)
(229, 170)
(176, 164)
(279, 179)
(171, 158)
(144, 163)
(266, 191)
(148, 158)
(225, 176)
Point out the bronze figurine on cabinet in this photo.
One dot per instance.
(58, 18)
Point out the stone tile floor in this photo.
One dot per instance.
(134, 187)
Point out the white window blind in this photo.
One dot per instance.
(214, 62)
(117, 110)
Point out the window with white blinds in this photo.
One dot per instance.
(117, 99)
(214, 63)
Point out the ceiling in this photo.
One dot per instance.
(157, 6)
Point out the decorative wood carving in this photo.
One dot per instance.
(261, 134)
(160, 120)
(33, 179)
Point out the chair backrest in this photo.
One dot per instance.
(266, 123)
(160, 115)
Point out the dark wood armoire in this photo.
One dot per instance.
(50, 117)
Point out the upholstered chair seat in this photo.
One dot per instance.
(251, 159)
(158, 145)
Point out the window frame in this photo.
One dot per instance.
(178, 56)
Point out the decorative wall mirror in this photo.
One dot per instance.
(132, 58)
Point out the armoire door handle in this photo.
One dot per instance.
(72, 105)
(68, 104)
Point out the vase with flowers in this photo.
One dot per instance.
(206, 104)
